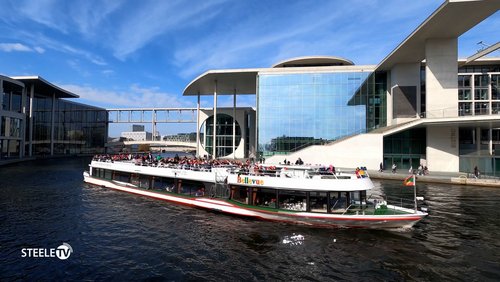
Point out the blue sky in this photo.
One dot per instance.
(118, 54)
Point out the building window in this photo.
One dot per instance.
(224, 136)
(464, 94)
(481, 87)
(405, 149)
(495, 107)
(302, 109)
(464, 81)
(464, 109)
(481, 94)
(481, 108)
(495, 87)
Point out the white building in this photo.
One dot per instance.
(137, 135)
(420, 105)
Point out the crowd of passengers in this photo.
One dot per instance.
(178, 162)
(248, 166)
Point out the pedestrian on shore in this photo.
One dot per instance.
(381, 167)
(476, 172)
(394, 167)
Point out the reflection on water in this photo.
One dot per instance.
(122, 236)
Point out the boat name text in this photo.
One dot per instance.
(246, 180)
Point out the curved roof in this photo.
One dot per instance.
(225, 82)
(313, 61)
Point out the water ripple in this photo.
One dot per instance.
(118, 236)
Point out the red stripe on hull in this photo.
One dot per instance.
(317, 220)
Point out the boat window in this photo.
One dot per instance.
(121, 176)
(184, 188)
(162, 183)
(191, 188)
(239, 194)
(264, 197)
(292, 200)
(339, 201)
(318, 201)
(144, 181)
(108, 174)
(358, 198)
(97, 172)
(134, 179)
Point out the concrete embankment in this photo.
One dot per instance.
(439, 177)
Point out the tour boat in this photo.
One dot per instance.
(310, 195)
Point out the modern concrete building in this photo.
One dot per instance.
(37, 120)
(137, 135)
(138, 127)
(420, 105)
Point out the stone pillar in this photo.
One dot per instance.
(478, 140)
(441, 76)
(490, 141)
(442, 148)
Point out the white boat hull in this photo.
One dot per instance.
(307, 218)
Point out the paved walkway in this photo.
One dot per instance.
(439, 177)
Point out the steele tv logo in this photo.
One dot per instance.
(62, 252)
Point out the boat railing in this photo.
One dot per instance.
(385, 205)
(268, 171)
(400, 202)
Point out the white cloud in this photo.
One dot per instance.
(45, 12)
(333, 28)
(134, 97)
(58, 46)
(155, 18)
(39, 50)
(14, 47)
(107, 72)
(90, 16)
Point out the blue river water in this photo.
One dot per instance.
(119, 236)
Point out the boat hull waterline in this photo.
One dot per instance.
(305, 218)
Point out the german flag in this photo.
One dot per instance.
(410, 181)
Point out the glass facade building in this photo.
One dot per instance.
(35, 121)
(479, 94)
(78, 128)
(296, 110)
(11, 118)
